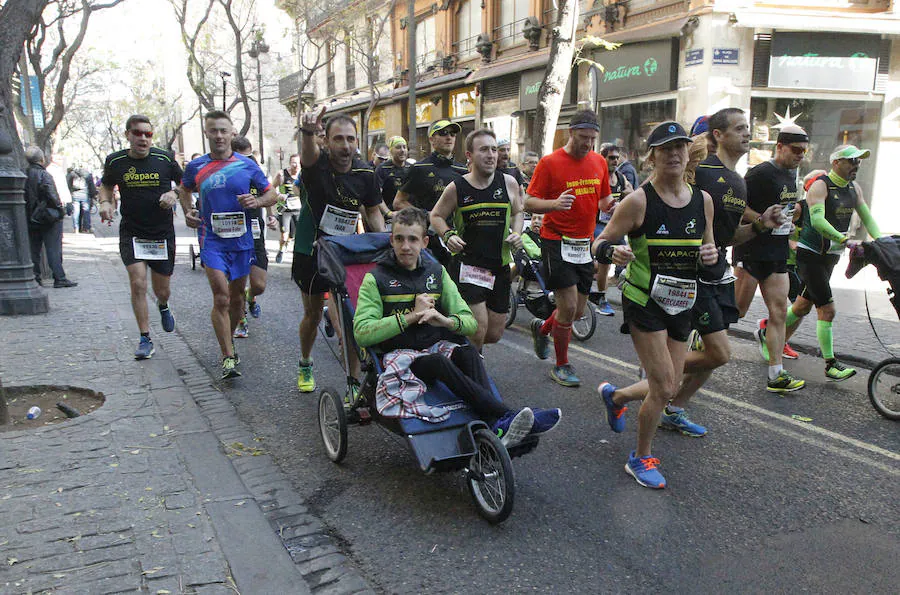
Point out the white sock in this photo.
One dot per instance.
(774, 371)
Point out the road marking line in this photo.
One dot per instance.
(617, 363)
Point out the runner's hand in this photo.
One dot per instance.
(272, 222)
(434, 318)
(514, 240)
(622, 255)
(248, 201)
(455, 244)
(773, 216)
(709, 254)
(565, 201)
(107, 211)
(168, 200)
(312, 121)
(192, 218)
(423, 302)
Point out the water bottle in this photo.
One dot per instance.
(34, 412)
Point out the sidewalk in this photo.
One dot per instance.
(162, 489)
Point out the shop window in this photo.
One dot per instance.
(468, 28)
(627, 126)
(376, 119)
(462, 102)
(424, 107)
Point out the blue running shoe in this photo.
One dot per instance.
(167, 319)
(644, 471)
(615, 414)
(253, 306)
(604, 308)
(514, 426)
(541, 342)
(678, 421)
(565, 376)
(145, 349)
(545, 420)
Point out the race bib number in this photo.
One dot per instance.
(576, 251)
(674, 295)
(292, 203)
(785, 228)
(255, 228)
(338, 222)
(150, 249)
(476, 276)
(229, 225)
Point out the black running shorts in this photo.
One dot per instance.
(815, 272)
(262, 257)
(561, 274)
(652, 318)
(762, 269)
(161, 267)
(305, 273)
(497, 298)
(715, 309)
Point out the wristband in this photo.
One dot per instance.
(604, 252)
(308, 132)
(758, 226)
(449, 234)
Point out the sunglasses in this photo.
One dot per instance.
(798, 150)
(140, 133)
(445, 132)
(854, 161)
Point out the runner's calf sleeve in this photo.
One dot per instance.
(866, 217)
(547, 327)
(826, 338)
(561, 335)
(821, 224)
(792, 318)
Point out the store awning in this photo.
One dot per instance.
(883, 23)
(436, 84)
(337, 106)
(520, 64)
(670, 27)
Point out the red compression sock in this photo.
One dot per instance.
(547, 327)
(561, 335)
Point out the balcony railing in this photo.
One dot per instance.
(465, 48)
(510, 33)
(425, 60)
(289, 86)
(324, 9)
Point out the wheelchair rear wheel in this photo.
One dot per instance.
(490, 478)
(513, 305)
(583, 328)
(884, 388)
(333, 425)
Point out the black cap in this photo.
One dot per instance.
(666, 133)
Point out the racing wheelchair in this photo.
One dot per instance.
(462, 442)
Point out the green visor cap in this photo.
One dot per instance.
(849, 152)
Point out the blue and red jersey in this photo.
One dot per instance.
(219, 182)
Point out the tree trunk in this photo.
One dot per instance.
(559, 67)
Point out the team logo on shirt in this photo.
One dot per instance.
(691, 227)
(217, 180)
(393, 284)
(467, 199)
(498, 193)
(662, 231)
(721, 180)
(431, 282)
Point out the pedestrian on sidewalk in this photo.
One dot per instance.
(145, 177)
(45, 214)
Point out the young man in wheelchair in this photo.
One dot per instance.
(409, 302)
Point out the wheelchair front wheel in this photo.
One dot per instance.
(884, 388)
(333, 425)
(490, 478)
(583, 328)
(513, 306)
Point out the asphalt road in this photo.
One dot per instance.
(762, 503)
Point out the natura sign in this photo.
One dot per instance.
(636, 69)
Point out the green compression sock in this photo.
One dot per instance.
(792, 318)
(826, 339)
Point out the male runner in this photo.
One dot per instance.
(224, 180)
(145, 177)
(831, 200)
(339, 187)
(391, 174)
(620, 188)
(428, 178)
(486, 206)
(504, 165)
(259, 269)
(763, 260)
(380, 154)
(569, 186)
(288, 204)
(529, 162)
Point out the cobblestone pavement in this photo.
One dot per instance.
(162, 489)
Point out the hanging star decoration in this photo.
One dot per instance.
(787, 119)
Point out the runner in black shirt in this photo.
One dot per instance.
(763, 260)
(339, 187)
(504, 165)
(145, 176)
(391, 174)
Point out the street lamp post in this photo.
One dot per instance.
(257, 49)
(224, 74)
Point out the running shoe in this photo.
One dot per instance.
(305, 381)
(545, 420)
(229, 367)
(565, 376)
(167, 319)
(644, 471)
(514, 426)
(615, 414)
(695, 341)
(237, 358)
(145, 349)
(785, 383)
(541, 342)
(837, 371)
(760, 335)
(351, 397)
(678, 421)
(252, 305)
(279, 257)
(329, 328)
(789, 353)
(242, 331)
(605, 309)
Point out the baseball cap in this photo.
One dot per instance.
(503, 142)
(849, 152)
(700, 126)
(396, 140)
(442, 124)
(666, 133)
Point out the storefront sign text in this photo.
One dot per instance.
(636, 69)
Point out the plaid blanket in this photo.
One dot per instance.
(399, 393)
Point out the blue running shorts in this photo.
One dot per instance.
(234, 264)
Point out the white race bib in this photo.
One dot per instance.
(338, 222)
(150, 249)
(476, 276)
(229, 225)
(576, 251)
(673, 294)
(292, 203)
(785, 228)
(255, 228)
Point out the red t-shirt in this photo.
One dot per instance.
(588, 180)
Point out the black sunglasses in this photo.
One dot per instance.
(445, 132)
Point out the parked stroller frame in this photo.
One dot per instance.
(461, 443)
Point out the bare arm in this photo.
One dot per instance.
(401, 201)
(444, 207)
(374, 218)
(533, 204)
(309, 149)
(709, 255)
(191, 215)
(107, 203)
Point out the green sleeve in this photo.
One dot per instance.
(369, 326)
(821, 225)
(456, 307)
(531, 249)
(866, 217)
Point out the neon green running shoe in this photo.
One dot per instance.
(837, 371)
(305, 381)
(785, 383)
